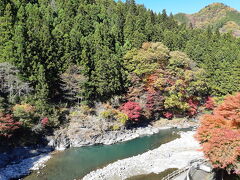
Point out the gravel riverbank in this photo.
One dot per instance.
(21, 161)
(175, 154)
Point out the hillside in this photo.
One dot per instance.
(216, 15)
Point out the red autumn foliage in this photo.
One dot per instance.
(155, 102)
(150, 102)
(210, 104)
(193, 106)
(133, 110)
(223, 148)
(44, 121)
(8, 125)
(219, 135)
(168, 115)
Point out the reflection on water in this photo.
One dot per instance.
(76, 162)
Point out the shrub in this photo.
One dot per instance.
(219, 135)
(108, 114)
(122, 117)
(115, 115)
(133, 110)
(115, 127)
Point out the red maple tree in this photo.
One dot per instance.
(219, 135)
(8, 125)
(133, 110)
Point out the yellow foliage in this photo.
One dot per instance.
(115, 115)
(24, 107)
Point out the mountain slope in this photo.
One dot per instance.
(216, 15)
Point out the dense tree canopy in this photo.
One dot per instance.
(43, 38)
(68, 51)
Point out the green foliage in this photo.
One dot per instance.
(147, 60)
(181, 18)
(115, 115)
(25, 113)
(101, 40)
(2, 105)
(219, 56)
(176, 102)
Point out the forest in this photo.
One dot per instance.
(55, 54)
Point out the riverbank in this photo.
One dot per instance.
(30, 159)
(21, 161)
(175, 154)
(77, 136)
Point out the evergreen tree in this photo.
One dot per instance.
(6, 33)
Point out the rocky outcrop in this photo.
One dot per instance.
(86, 137)
(175, 154)
(92, 131)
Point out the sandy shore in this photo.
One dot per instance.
(175, 154)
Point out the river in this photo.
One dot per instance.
(74, 163)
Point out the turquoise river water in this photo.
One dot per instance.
(74, 163)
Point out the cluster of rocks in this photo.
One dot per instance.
(175, 154)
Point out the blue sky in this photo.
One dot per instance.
(186, 6)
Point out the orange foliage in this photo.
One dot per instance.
(230, 110)
(150, 80)
(219, 135)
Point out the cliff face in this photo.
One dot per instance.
(216, 15)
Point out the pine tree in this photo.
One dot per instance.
(42, 89)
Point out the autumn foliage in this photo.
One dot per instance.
(193, 106)
(168, 115)
(167, 83)
(8, 125)
(45, 121)
(133, 110)
(219, 135)
(210, 104)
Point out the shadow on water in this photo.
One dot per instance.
(77, 162)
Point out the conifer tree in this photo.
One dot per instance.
(6, 33)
